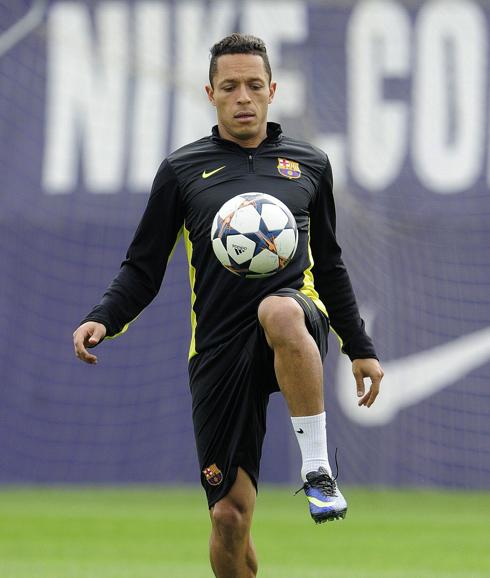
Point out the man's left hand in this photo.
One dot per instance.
(371, 368)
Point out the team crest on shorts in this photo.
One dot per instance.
(213, 475)
(289, 169)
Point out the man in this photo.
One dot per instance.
(249, 337)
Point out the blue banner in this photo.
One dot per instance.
(93, 95)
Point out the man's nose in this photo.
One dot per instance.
(243, 95)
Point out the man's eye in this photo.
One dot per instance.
(228, 88)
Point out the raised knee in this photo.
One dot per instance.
(229, 520)
(281, 318)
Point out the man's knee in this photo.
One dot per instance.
(230, 520)
(281, 317)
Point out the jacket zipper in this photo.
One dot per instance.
(250, 163)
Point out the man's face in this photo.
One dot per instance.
(241, 93)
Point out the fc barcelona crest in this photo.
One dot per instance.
(213, 475)
(289, 169)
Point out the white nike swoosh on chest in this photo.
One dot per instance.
(409, 380)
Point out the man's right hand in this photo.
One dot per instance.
(86, 336)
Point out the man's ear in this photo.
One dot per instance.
(272, 91)
(210, 93)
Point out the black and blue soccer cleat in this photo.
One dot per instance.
(324, 498)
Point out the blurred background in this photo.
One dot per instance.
(93, 95)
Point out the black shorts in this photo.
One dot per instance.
(230, 388)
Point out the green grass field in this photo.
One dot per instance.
(159, 533)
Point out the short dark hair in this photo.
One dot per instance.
(237, 43)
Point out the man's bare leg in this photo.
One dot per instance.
(297, 361)
(299, 371)
(232, 552)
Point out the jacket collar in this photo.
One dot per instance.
(274, 134)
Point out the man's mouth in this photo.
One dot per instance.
(244, 115)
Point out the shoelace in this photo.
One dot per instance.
(324, 481)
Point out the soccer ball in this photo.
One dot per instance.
(254, 235)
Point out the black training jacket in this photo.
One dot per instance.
(187, 192)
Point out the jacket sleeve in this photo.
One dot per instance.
(141, 273)
(331, 278)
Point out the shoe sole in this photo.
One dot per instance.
(329, 517)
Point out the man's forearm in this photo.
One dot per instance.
(336, 292)
(125, 298)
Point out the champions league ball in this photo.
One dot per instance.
(254, 235)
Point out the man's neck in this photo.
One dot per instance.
(249, 143)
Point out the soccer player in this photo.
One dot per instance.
(250, 337)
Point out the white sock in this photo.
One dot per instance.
(311, 433)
